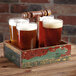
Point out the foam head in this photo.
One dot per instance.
(46, 17)
(54, 23)
(14, 21)
(26, 26)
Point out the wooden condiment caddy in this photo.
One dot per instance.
(37, 56)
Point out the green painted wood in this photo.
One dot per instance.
(12, 56)
(50, 57)
(54, 54)
(43, 62)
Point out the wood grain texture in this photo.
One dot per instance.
(67, 68)
(1, 50)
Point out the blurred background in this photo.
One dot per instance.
(63, 9)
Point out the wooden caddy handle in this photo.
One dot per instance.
(34, 14)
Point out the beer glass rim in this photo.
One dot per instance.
(54, 23)
(44, 17)
(57, 20)
(27, 26)
(15, 20)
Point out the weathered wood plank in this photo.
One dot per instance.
(1, 50)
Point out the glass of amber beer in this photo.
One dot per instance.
(27, 35)
(52, 30)
(12, 27)
(41, 30)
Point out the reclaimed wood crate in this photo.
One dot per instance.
(37, 56)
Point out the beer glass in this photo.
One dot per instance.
(52, 30)
(41, 30)
(12, 27)
(27, 35)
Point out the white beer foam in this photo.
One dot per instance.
(14, 21)
(46, 17)
(54, 23)
(27, 26)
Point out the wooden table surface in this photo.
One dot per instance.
(67, 68)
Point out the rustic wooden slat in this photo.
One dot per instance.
(67, 68)
(1, 50)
